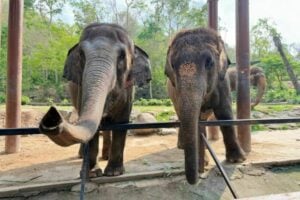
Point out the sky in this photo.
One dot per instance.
(282, 13)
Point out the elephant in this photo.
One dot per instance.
(195, 66)
(101, 75)
(257, 79)
(142, 75)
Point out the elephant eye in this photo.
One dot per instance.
(122, 54)
(209, 63)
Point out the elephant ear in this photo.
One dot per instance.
(224, 60)
(74, 65)
(140, 73)
(169, 71)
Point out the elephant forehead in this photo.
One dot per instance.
(187, 69)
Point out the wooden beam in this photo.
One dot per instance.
(56, 186)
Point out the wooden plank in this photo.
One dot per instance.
(64, 185)
(277, 162)
(138, 176)
(283, 196)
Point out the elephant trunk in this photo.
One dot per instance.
(261, 87)
(189, 118)
(97, 80)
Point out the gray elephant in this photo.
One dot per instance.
(257, 79)
(101, 75)
(142, 75)
(196, 66)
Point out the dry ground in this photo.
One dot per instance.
(40, 160)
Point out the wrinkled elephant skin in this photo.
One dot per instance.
(196, 66)
(257, 80)
(100, 72)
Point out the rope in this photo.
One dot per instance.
(84, 169)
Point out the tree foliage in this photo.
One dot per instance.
(48, 9)
(276, 60)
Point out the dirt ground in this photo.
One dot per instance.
(40, 161)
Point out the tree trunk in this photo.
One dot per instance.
(0, 21)
(288, 67)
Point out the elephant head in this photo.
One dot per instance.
(196, 62)
(257, 79)
(101, 63)
(141, 70)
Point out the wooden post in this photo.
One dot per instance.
(213, 24)
(242, 60)
(213, 14)
(14, 73)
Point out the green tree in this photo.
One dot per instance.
(29, 4)
(49, 8)
(264, 34)
(45, 49)
(88, 11)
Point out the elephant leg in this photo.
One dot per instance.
(106, 144)
(202, 153)
(95, 170)
(213, 131)
(223, 111)
(234, 152)
(115, 163)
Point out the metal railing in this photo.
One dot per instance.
(30, 131)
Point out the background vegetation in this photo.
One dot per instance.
(48, 35)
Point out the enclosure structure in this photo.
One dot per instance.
(15, 68)
(14, 73)
(242, 62)
(243, 65)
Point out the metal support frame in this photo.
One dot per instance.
(242, 59)
(33, 131)
(14, 73)
(214, 156)
(201, 132)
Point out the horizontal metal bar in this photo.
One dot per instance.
(29, 131)
(202, 123)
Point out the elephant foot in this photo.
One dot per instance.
(93, 173)
(114, 169)
(235, 155)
